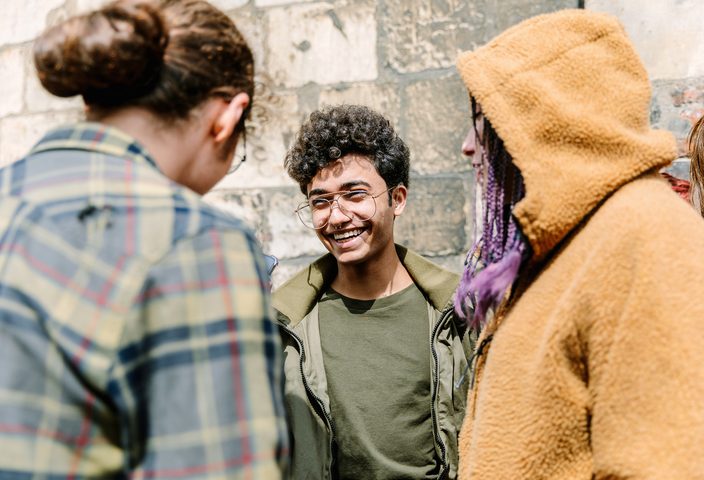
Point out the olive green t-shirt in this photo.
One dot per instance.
(377, 361)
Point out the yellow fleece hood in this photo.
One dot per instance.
(573, 114)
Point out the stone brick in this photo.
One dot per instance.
(19, 134)
(274, 123)
(12, 73)
(226, 5)
(453, 263)
(676, 105)
(21, 21)
(384, 98)
(322, 44)
(271, 3)
(437, 118)
(270, 213)
(83, 6)
(667, 53)
(502, 14)
(679, 168)
(427, 34)
(252, 206)
(252, 28)
(289, 267)
(288, 237)
(434, 220)
(247, 208)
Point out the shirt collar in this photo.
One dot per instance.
(94, 137)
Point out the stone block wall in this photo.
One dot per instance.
(668, 36)
(396, 56)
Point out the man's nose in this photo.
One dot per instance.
(337, 214)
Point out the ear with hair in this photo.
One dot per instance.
(228, 119)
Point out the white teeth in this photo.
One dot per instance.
(348, 234)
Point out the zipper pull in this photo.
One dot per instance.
(473, 359)
(460, 380)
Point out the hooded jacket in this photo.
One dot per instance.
(593, 368)
(307, 400)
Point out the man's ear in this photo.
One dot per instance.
(229, 117)
(398, 198)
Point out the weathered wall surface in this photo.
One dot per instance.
(668, 35)
(394, 55)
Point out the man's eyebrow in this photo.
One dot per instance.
(344, 187)
(355, 183)
(317, 191)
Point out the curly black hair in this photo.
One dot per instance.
(335, 131)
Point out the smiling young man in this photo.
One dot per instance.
(372, 348)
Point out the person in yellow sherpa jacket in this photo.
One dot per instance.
(589, 277)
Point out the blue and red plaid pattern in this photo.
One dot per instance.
(135, 329)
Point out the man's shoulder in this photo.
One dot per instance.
(424, 264)
(296, 297)
(435, 281)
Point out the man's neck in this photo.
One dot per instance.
(372, 280)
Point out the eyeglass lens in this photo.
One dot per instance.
(354, 204)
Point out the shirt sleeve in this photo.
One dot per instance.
(199, 376)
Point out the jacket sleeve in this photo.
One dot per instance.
(199, 380)
(646, 375)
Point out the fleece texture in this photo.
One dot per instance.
(594, 367)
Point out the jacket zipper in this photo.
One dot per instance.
(433, 413)
(309, 391)
(436, 381)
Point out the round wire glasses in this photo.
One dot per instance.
(360, 204)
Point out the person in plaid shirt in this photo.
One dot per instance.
(136, 336)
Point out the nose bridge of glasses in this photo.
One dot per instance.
(322, 214)
(343, 214)
(347, 206)
(344, 206)
(335, 200)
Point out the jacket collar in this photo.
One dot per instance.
(297, 297)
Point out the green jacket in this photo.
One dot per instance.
(307, 401)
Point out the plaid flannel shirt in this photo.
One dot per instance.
(135, 329)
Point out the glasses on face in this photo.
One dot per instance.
(240, 159)
(359, 204)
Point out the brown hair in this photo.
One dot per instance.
(164, 55)
(696, 166)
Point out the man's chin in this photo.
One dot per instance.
(349, 258)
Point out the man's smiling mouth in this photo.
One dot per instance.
(348, 235)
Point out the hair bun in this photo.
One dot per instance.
(108, 56)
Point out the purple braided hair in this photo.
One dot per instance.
(499, 249)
